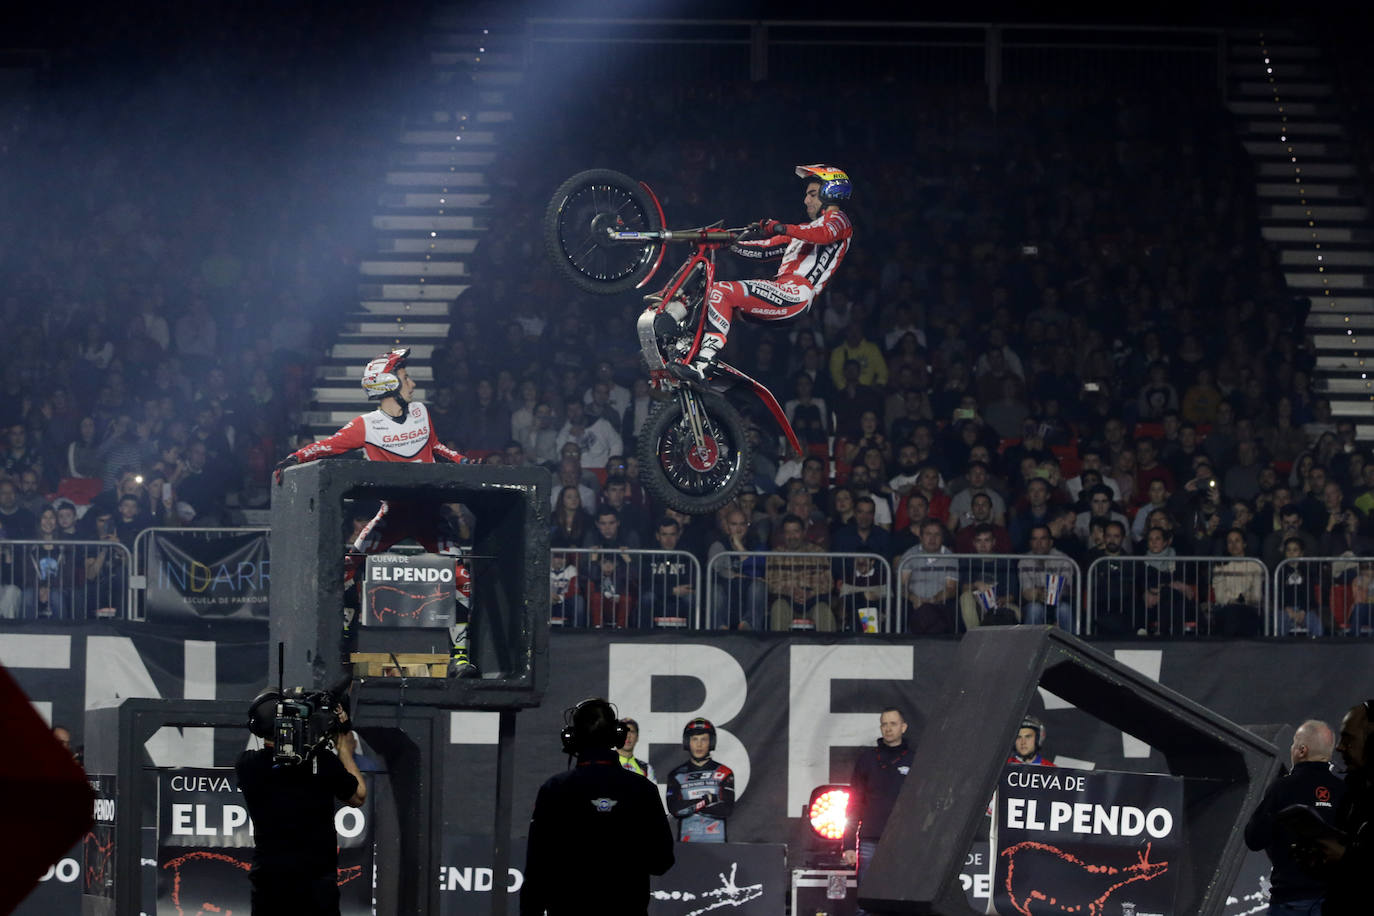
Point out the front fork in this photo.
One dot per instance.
(696, 417)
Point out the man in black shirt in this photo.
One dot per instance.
(598, 830)
(1350, 859)
(879, 774)
(295, 862)
(1293, 889)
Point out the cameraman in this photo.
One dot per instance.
(598, 831)
(295, 862)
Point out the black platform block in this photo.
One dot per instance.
(1224, 766)
(510, 584)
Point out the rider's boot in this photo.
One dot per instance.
(699, 368)
(458, 663)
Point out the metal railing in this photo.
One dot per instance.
(1177, 596)
(138, 581)
(624, 589)
(64, 580)
(952, 592)
(782, 590)
(1323, 596)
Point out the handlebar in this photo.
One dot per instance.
(681, 235)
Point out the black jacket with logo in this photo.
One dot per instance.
(1312, 784)
(597, 833)
(878, 777)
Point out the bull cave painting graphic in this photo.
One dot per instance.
(728, 894)
(1042, 879)
(389, 604)
(204, 882)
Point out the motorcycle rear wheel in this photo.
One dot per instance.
(678, 474)
(575, 223)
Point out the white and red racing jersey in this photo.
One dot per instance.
(810, 252)
(385, 438)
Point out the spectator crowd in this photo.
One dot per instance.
(1058, 337)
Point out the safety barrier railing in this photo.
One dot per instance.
(64, 580)
(782, 590)
(1177, 596)
(624, 589)
(954, 592)
(1323, 596)
(138, 580)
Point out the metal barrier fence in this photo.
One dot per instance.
(780, 590)
(1177, 596)
(63, 580)
(624, 589)
(950, 592)
(138, 581)
(1323, 596)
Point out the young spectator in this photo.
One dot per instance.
(988, 595)
(598, 439)
(1045, 599)
(567, 607)
(570, 520)
(1237, 591)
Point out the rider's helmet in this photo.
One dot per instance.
(379, 376)
(1036, 726)
(835, 185)
(698, 726)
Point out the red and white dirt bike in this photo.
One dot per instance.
(605, 232)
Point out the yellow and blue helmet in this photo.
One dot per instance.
(835, 185)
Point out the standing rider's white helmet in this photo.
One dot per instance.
(379, 376)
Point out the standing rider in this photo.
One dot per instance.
(398, 430)
(810, 254)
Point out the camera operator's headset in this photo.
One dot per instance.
(592, 725)
(262, 711)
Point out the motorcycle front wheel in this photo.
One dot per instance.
(576, 222)
(692, 478)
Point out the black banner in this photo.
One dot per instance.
(98, 848)
(403, 590)
(207, 574)
(793, 711)
(1084, 841)
(205, 846)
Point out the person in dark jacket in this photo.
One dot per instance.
(878, 776)
(598, 831)
(1293, 889)
(1348, 861)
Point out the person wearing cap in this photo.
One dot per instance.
(398, 430)
(701, 792)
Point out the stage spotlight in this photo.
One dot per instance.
(828, 811)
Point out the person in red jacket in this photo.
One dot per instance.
(811, 252)
(398, 430)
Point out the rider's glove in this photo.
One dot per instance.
(282, 465)
(772, 227)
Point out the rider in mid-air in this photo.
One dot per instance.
(810, 254)
(398, 430)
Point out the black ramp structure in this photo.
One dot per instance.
(405, 718)
(510, 575)
(1225, 767)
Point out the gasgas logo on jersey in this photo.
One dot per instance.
(410, 435)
